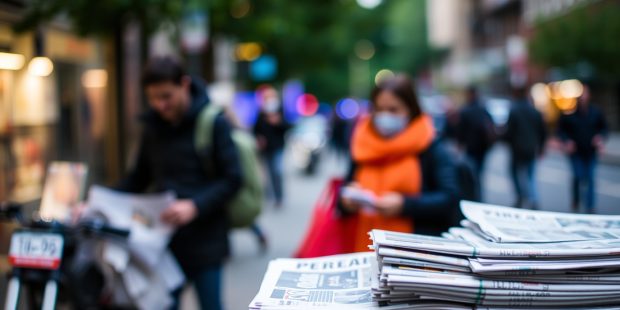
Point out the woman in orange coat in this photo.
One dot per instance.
(385, 148)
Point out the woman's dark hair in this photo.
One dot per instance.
(163, 69)
(402, 87)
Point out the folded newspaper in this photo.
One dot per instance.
(504, 258)
(331, 282)
(144, 265)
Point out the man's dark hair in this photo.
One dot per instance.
(163, 69)
(402, 87)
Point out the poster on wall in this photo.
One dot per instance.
(63, 190)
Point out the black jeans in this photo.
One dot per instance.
(275, 167)
(524, 181)
(583, 174)
(478, 161)
(208, 285)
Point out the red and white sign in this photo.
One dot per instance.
(38, 250)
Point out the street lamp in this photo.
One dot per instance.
(10, 61)
(40, 66)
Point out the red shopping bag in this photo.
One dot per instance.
(328, 233)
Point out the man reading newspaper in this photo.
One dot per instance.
(168, 161)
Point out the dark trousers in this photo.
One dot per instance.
(275, 166)
(478, 160)
(208, 285)
(583, 175)
(524, 181)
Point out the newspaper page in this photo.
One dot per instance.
(147, 268)
(140, 214)
(419, 276)
(331, 282)
(504, 224)
(456, 262)
(553, 251)
(483, 248)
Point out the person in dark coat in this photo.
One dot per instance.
(525, 135)
(583, 133)
(436, 208)
(475, 132)
(168, 161)
(270, 131)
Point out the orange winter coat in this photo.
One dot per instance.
(388, 165)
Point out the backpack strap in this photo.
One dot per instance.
(204, 133)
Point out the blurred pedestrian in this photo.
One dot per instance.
(396, 159)
(340, 136)
(270, 131)
(476, 132)
(583, 134)
(526, 135)
(167, 161)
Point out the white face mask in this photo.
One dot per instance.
(388, 124)
(272, 105)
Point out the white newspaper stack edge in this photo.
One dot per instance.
(505, 224)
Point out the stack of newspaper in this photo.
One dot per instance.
(504, 258)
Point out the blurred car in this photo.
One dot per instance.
(307, 140)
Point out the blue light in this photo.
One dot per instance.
(291, 91)
(347, 109)
(246, 108)
(264, 68)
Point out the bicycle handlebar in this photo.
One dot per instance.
(93, 226)
(10, 211)
(99, 227)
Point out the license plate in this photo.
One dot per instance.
(37, 250)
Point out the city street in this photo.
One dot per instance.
(151, 97)
(286, 227)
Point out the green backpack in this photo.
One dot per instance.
(245, 207)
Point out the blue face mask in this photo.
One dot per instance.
(388, 124)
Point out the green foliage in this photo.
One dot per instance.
(312, 39)
(101, 17)
(589, 35)
(406, 37)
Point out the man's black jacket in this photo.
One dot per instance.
(475, 129)
(168, 160)
(526, 133)
(581, 127)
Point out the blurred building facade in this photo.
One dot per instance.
(57, 102)
(486, 44)
(490, 45)
(86, 108)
